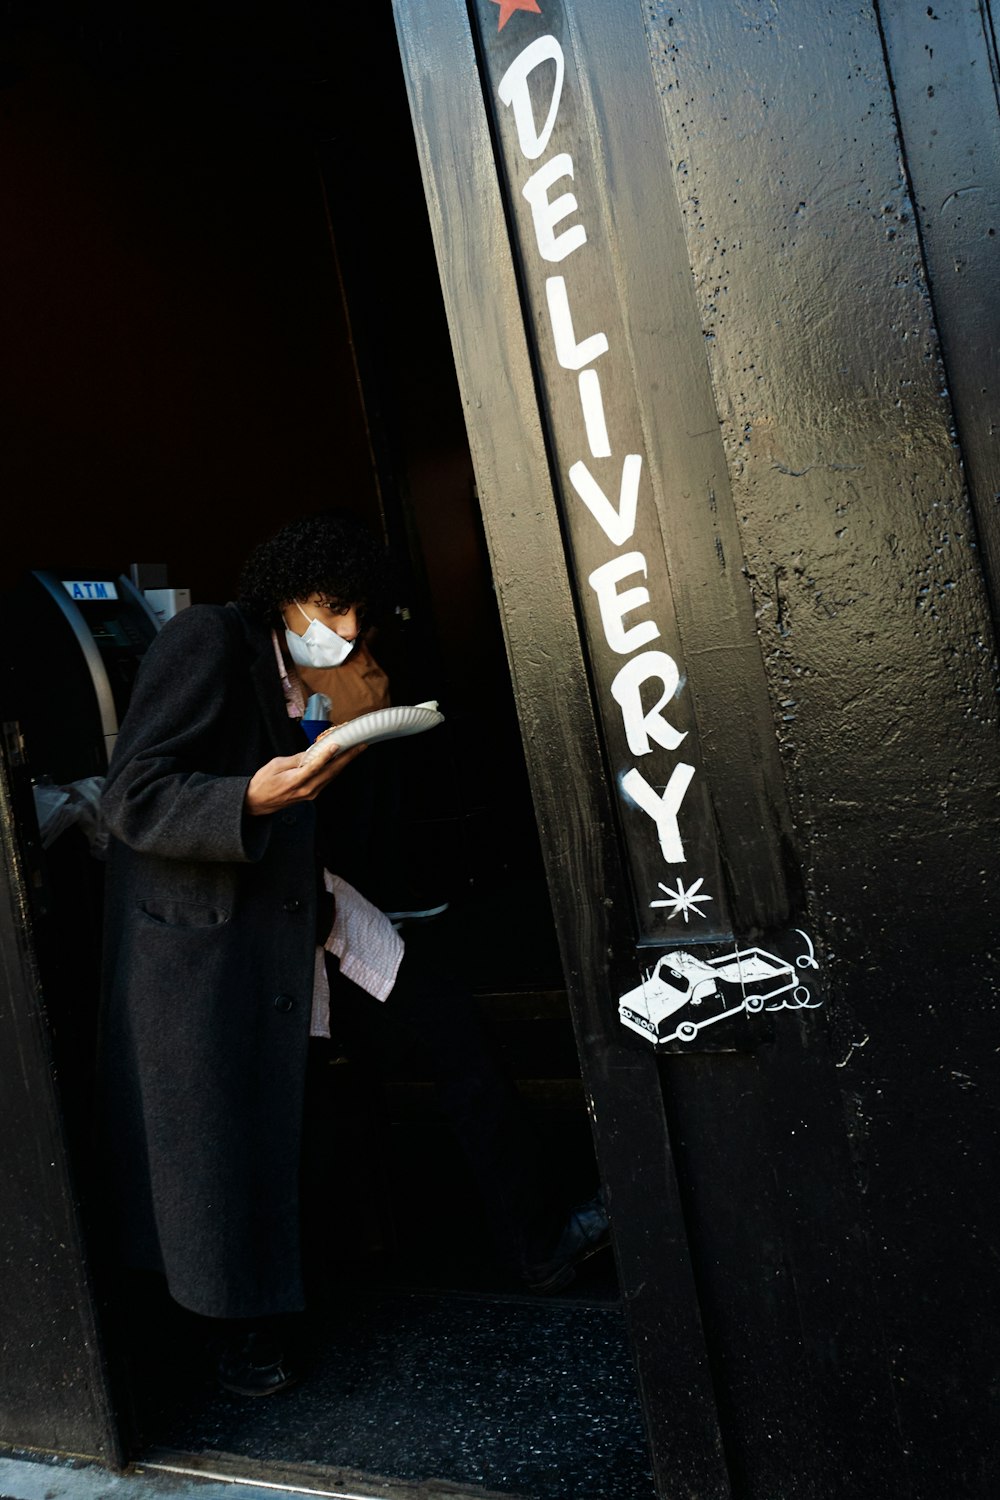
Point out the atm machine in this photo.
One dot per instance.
(73, 650)
(70, 649)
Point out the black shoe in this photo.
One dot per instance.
(585, 1232)
(255, 1363)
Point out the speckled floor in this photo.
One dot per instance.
(521, 1397)
(433, 1366)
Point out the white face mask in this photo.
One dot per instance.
(319, 646)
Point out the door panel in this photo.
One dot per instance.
(587, 879)
(52, 1379)
(591, 130)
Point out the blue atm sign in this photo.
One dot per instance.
(83, 591)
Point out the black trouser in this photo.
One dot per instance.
(430, 1019)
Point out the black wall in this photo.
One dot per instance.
(851, 324)
(796, 205)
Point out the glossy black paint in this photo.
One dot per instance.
(872, 613)
(811, 1173)
(945, 72)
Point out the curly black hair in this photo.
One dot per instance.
(332, 553)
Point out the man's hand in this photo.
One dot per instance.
(282, 782)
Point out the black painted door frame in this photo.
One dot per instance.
(54, 1387)
(577, 820)
(600, 468)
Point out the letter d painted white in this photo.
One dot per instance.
(514, 91)
(663, 810)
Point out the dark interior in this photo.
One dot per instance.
(226, 313)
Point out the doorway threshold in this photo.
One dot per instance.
(166, 1475)
(268, 1480)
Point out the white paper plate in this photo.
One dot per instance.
(383, 724)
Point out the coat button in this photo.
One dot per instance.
(284, 1003)
(292, 904)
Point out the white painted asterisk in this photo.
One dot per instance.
(683, 901)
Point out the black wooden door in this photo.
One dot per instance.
(690, 435)
(589, 881)
(53, 1379)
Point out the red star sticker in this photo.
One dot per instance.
(508, 7)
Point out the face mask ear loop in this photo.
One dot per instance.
(302, 612)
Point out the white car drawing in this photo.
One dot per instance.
(709, 989)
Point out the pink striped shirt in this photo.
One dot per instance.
(365, 942)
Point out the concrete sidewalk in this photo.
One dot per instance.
(72, 1479)
(49, 1477)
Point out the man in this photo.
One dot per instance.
(228, 928)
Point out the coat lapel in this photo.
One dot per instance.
(286, 735)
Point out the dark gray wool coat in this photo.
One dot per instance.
(209, 955)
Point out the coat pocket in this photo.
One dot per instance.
(166, 912)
